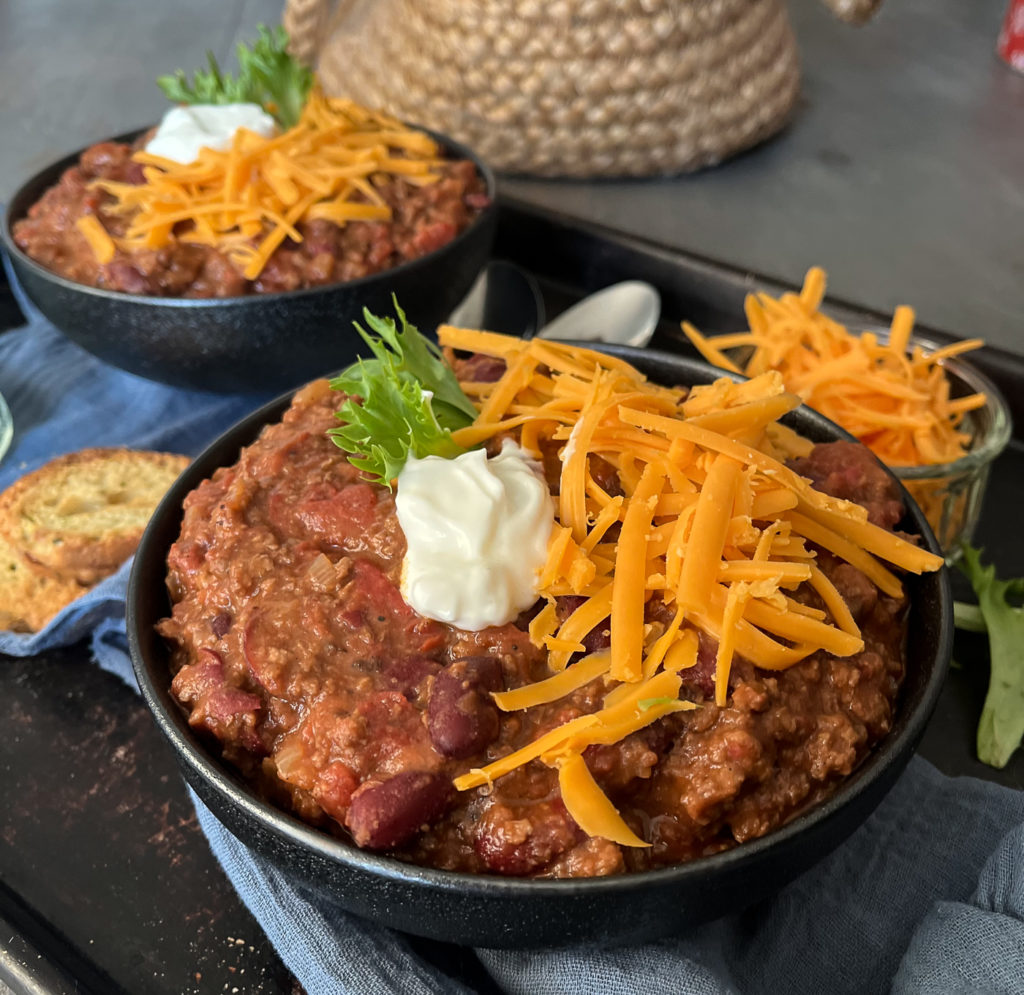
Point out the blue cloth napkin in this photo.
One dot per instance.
(926, 897)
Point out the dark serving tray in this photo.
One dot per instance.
(106, 882)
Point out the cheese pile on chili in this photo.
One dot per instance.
(891, 396)
(710, 521)
(248, 199)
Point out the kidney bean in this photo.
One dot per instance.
(432, 236)
(605, 476)
(480, 368)
(224, 704)
(461, 717)
(125, 277)
(107, 160)
(524, 618)
(521, 840)
(195, 679)
(385, 814)
(231, 713)
(566, 604)
(700, 678)
(134, 173)
(220, 624)
(599, 638)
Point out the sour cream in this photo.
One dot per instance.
(477, 531)
(185, 130)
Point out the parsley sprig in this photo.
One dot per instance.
(267, 75)
(404, 402)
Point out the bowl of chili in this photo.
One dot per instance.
(234, 334)
(508, 911)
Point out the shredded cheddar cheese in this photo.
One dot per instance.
(248, 199)
(892, 396)
(96, 235)
(708, 536)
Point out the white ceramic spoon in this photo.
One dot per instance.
(625, 313)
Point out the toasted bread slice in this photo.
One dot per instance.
(28, 598)
(80, 516)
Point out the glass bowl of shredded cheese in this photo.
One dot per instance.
(951, 492)
(931, 416)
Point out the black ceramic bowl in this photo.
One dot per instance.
(507, 912)
(260, 342)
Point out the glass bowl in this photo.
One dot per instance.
(951, 494)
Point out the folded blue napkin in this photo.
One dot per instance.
(927, 896)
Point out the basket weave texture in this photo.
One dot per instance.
(580, 88)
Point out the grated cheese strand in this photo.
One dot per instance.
(590, 806)
(556, 686)
(102, 245)
(708, 533)
(627, 617)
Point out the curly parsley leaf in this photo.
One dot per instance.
(403, 402)
(1001, 727)
(267, 76)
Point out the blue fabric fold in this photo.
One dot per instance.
(926, 897)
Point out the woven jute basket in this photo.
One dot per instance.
(581, 88)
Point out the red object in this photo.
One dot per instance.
(1010, 44)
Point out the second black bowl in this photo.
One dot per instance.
(260, 342)
(485, 910)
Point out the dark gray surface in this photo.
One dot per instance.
(75, 71)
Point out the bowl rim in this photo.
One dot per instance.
(58, 166)
(217, 775)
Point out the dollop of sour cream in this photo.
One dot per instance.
(185, 130)
(477, 531)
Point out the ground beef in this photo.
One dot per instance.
(293, 648)
(423, 219)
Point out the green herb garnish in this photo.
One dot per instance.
(1002, 717)
(267, 75)
(404, 402)
(645, 703)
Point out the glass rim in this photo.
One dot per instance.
(992, 438)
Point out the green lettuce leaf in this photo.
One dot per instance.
(403, 402)
(267, 75)
(1002, 717)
